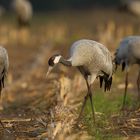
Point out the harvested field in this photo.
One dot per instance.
(35, 108)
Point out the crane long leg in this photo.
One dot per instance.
(82, 109)
(91, 101)
(89, 94)
(125, 92)
(92, 106)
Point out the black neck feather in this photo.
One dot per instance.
(65, 62)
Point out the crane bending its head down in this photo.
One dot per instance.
(4, 65)
(54, 60)
(93, 60)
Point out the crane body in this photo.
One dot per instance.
(93, 60)
(126, 55)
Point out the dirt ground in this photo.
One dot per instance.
(35, 108)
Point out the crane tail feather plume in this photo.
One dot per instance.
(107, 83)
(123, 66)
(101, 82)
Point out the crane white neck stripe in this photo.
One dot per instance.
(56, 60)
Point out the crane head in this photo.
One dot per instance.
(53, 61)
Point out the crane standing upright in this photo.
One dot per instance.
(132, 6)
(126, 55)
(24, 11)
(93, 60)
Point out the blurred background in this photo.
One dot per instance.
(66, 4)
(33, 107)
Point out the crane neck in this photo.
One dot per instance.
(65, 62)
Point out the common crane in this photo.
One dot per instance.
(131, 5)
(126, 55)
(24, 11)
(4, 65)
(93, 60)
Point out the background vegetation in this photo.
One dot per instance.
(35, 108)
(45, 5)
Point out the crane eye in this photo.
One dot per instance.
(51, 61)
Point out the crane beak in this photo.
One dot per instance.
(49, 70)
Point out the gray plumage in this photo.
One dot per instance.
(24, 11)
(132, 5)
(128, 51)
(4, 65)
(92, 59)
(93, 56)
(126, 55)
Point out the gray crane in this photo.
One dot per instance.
(93, 60)
(131, 5)
(126, 55)
(24, 11)
(4, 65)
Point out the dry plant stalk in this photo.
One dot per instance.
(64, 113)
